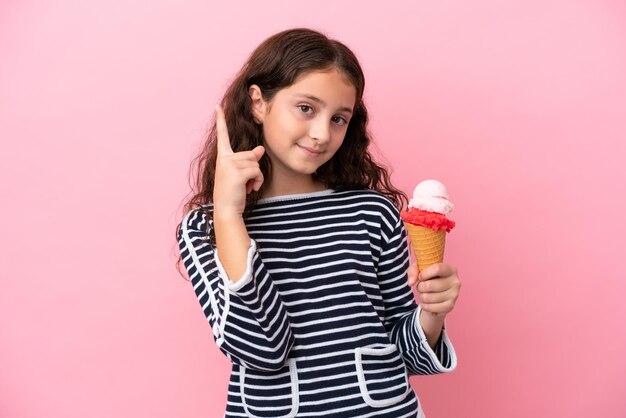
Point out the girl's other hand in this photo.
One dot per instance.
(439, 287)
(236, 173)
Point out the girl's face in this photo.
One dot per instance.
(305, 123)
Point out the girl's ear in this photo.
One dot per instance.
(258, 105)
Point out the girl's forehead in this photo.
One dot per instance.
(326, 71)
(330, 86)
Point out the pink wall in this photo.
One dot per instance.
(518, 106)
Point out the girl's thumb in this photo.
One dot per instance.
(258, 152)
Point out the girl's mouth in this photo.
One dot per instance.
(309, 151)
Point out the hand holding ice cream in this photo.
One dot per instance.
(427, 224)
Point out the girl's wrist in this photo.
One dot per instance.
(432, 325)
(433, 322)
(434, 318)
(222, 214)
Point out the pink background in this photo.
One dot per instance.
(518, 106)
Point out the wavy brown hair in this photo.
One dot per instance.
(276, 64)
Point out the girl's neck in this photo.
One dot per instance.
(301, 185)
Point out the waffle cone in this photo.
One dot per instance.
(428, 245)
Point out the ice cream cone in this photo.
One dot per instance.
(428, 245)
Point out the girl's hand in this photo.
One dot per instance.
(236, 173)
(438, 286)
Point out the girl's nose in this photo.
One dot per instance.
(320, 130)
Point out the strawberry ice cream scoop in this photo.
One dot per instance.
(429, 206)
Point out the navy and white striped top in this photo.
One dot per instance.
(323, 322)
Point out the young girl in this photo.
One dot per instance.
(295, 247)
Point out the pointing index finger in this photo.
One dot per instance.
(223, 140)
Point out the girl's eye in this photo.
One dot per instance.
(306, 109)
(340, 120)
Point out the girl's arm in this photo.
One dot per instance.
(438, 289)
(423, 354)
(249, 322)
(236, 175)
(232, 241)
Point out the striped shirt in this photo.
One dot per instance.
(322, 322)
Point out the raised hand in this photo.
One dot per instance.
(236, 173)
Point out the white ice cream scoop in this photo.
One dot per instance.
(431, 195)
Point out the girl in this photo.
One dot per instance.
(296, 251)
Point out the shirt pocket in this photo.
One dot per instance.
(270, 394)
(382, 375)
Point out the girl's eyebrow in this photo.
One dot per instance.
(321, 102)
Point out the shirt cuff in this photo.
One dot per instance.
(245, 278)
(431, 353)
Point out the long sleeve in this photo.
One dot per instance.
(249, 322)
(401, 311)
